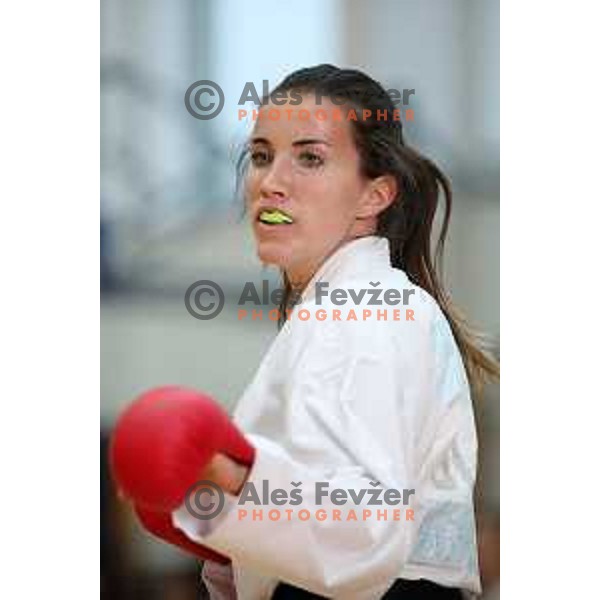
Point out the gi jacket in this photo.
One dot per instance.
(359, 404)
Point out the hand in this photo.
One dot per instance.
(228, 474)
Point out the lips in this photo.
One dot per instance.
(274, 216)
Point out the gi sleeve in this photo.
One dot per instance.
(353, 389)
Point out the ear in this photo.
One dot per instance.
(378, 195)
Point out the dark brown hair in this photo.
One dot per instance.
(408, 222)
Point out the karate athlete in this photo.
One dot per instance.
(343, 399)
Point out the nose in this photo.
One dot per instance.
(276, 180)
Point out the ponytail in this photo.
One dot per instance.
(408, 223)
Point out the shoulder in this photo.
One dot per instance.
(383, 312)
(385, 306)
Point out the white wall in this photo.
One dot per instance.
(155, 343)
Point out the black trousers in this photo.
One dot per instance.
(403, 589)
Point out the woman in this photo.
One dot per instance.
(345, 398)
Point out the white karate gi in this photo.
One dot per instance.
(353, 403)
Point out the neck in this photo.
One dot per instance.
(299, 277)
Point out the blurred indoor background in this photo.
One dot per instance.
(169, 215)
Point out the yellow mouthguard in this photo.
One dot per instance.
(274, 217)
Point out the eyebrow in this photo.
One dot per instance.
(302, 142)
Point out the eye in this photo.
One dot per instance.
(311, 159)
(259, 157)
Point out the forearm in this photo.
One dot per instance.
(323, 556)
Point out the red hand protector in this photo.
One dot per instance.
(164, 440)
